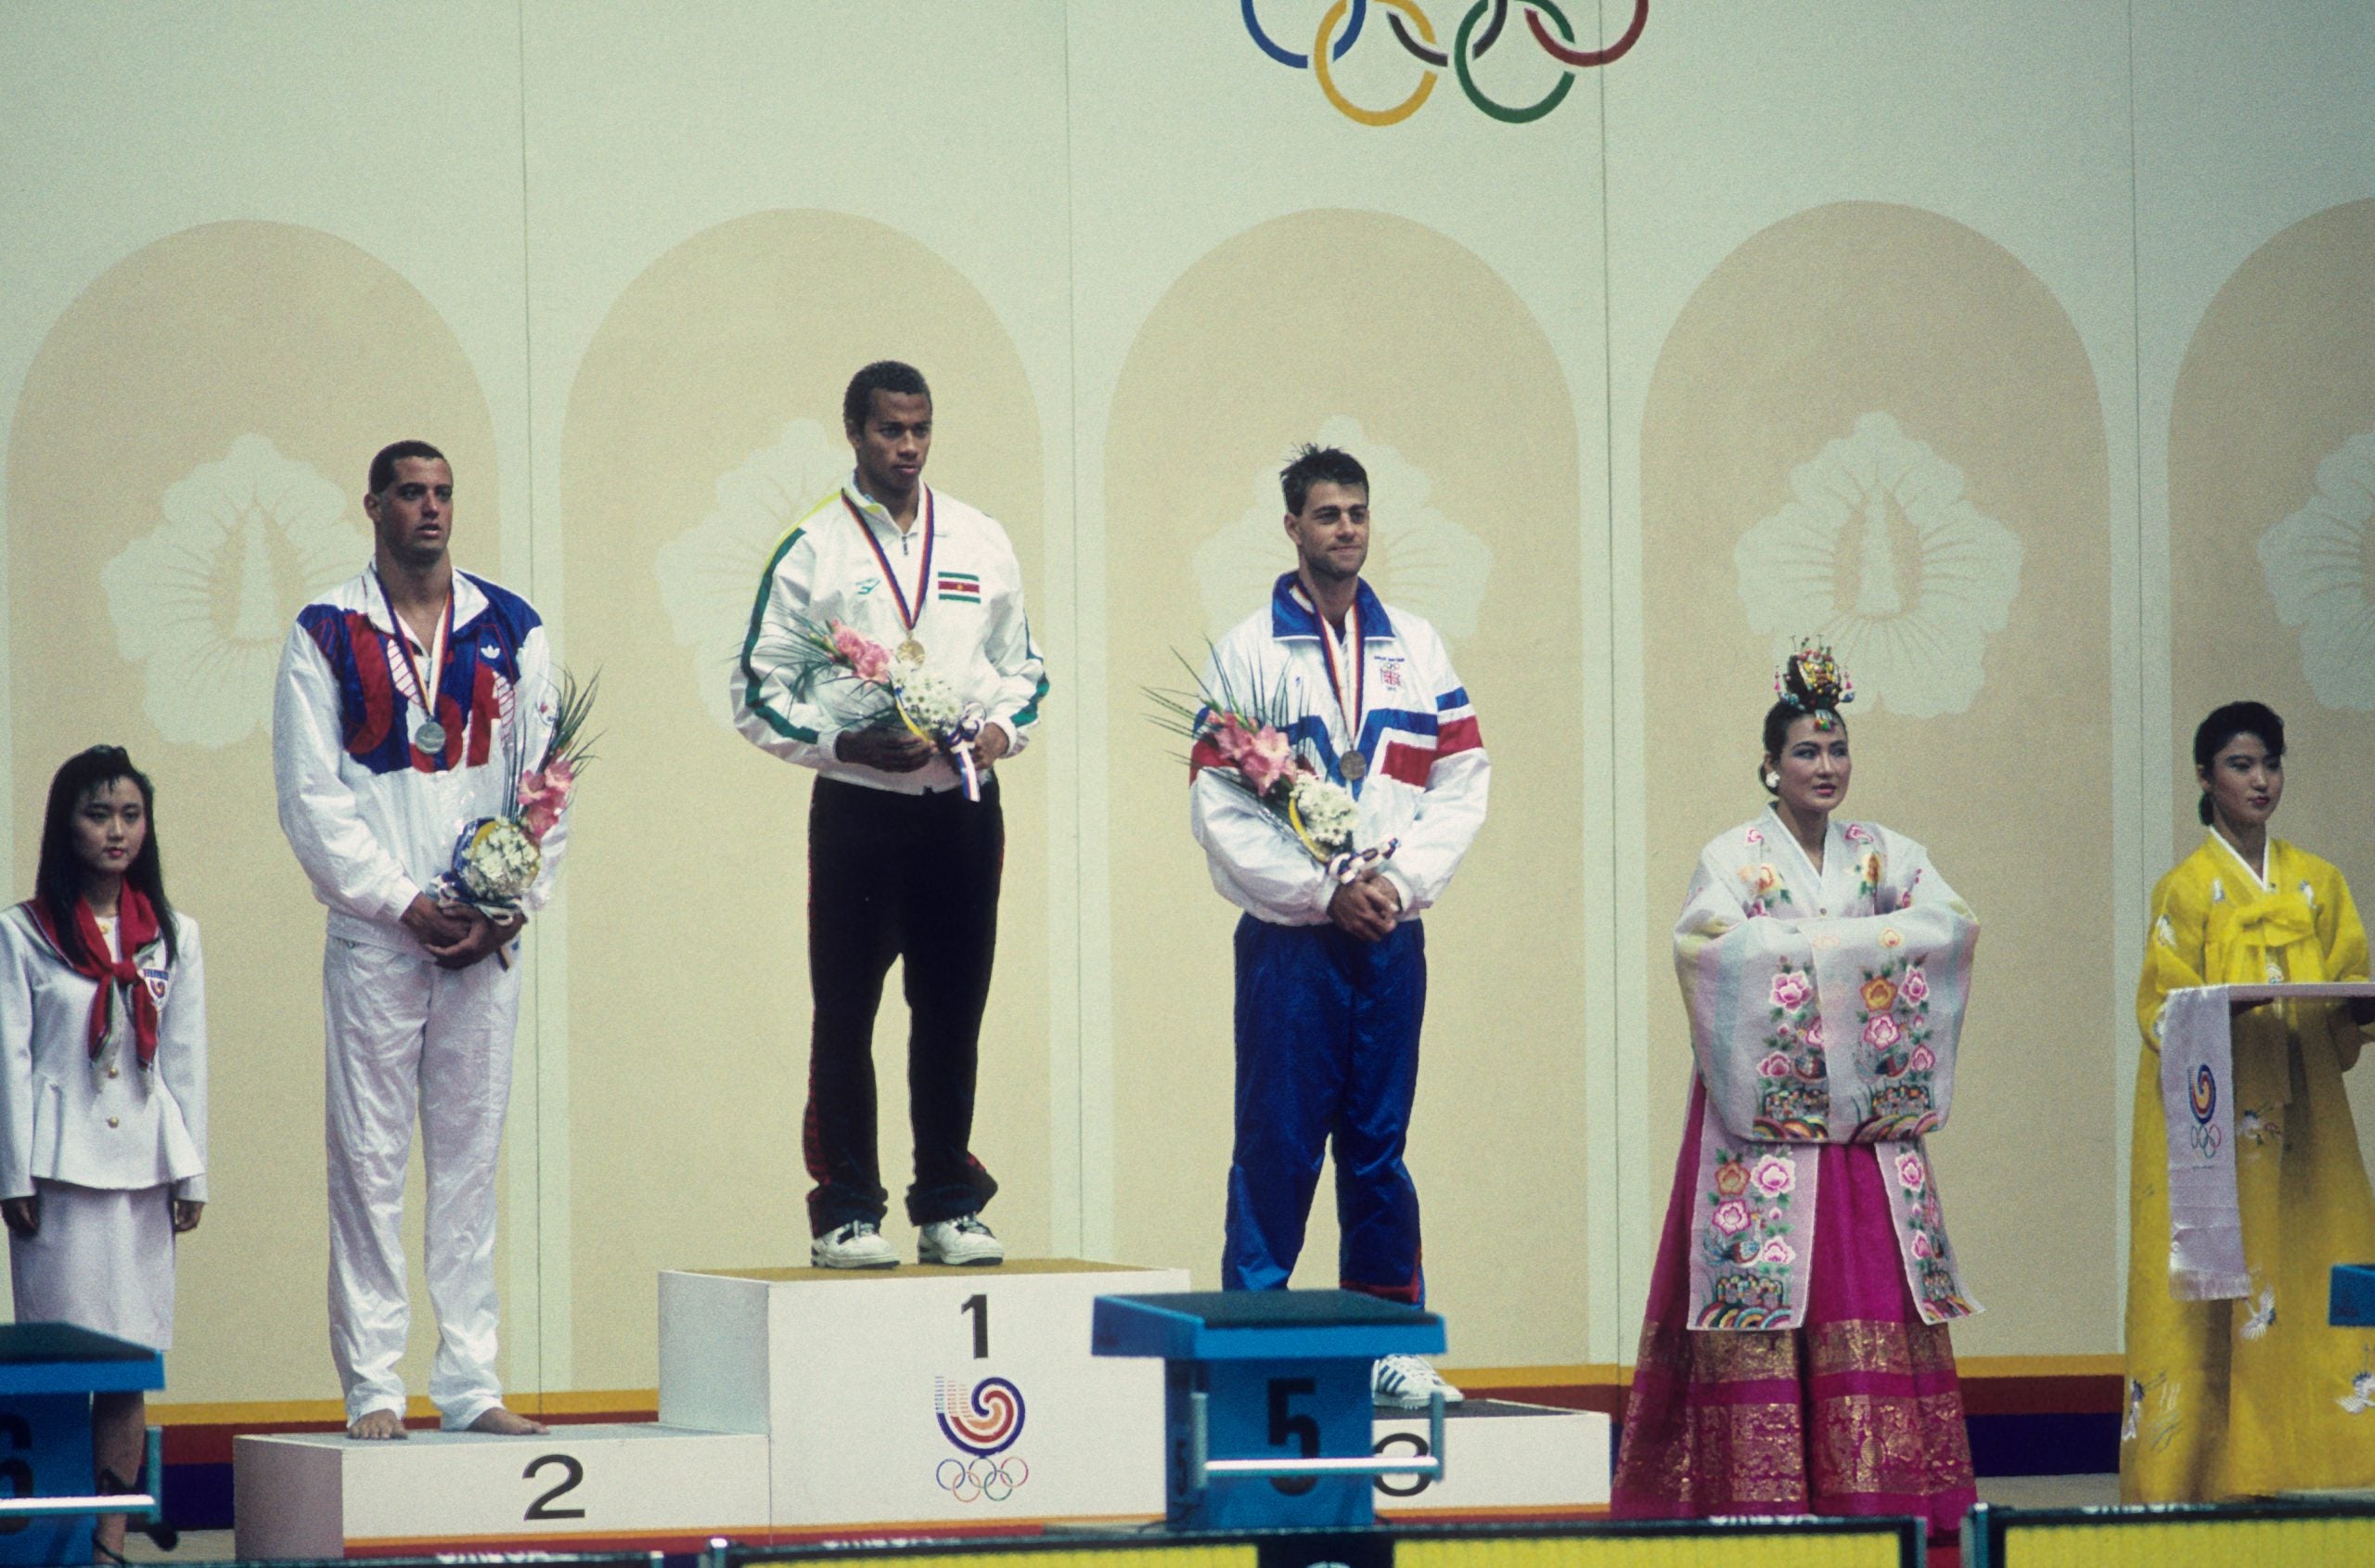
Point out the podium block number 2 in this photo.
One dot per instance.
(571, 1473)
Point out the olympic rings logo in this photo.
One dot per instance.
(1468, 45)
(990, 1481)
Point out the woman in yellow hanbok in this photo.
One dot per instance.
(2245, 1399)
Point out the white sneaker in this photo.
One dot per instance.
(1406, 1382)
(963, 1241)
(855, 1245)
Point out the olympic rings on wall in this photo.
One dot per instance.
(1469, 43)
(983, 1481)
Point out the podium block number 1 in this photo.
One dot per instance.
(571, 1473)
(978, 1307)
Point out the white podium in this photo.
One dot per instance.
(802, 1403)
(921, 1396)
(1502, 1457)
(582, 1487)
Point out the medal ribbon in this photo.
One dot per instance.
(908, 613)
(441, 650)
(1333, 654)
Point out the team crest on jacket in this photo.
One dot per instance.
(1389, 671)
(158, 982)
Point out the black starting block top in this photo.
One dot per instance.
(1263, 1326)
(61, 1359)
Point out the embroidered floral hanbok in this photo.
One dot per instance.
(1795, 1358)
(2243, 1399)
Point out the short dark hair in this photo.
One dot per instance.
(884, 375)
(2223, 724)
(383, 467)
(1319, 465)
(58, 883)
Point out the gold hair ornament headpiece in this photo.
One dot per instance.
(1811, 681)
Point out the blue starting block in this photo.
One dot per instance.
(1268, 1420)
(48, 1372)
(2350, 1297)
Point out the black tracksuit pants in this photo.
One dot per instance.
(911, 877)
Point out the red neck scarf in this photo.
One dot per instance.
(136, 924)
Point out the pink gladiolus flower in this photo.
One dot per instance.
(1731, 1217)
(1229, 741)
(1264, 759)
(543, 797)
(869, 660)
(1916, 986)
(1882, 1031)
(1790, 989)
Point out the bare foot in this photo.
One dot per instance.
(507, 1423)
(377, 1425)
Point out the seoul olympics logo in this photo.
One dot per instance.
(985, 1422)
(2205, 1093)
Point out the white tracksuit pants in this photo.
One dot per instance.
(405, 1036)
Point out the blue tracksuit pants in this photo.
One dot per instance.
(1327, 1048)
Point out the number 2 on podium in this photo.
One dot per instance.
(979, 1307)
(571, 1473)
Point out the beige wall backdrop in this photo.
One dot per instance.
(2022, 349)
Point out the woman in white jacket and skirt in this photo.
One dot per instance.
(102, 1086)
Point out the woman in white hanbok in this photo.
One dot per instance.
(1795, 1356)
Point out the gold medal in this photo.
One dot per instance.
(1355, 765)
(911, 652)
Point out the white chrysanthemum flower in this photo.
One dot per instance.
(203, 602)
(502, 862)
(1328, 812)
(1419, 558)
(2316, 564)
(709, 574)
(1880, 555)
(931, 702)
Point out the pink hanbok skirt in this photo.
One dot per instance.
(1857, 1412)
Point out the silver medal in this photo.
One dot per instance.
(429, 736)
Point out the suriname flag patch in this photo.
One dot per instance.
(961, 586)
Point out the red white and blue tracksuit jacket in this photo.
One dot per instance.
(373, 818)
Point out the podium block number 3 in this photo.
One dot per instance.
(1302, 1427)
(571, 1473)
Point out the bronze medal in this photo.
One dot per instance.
(1354, 766)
